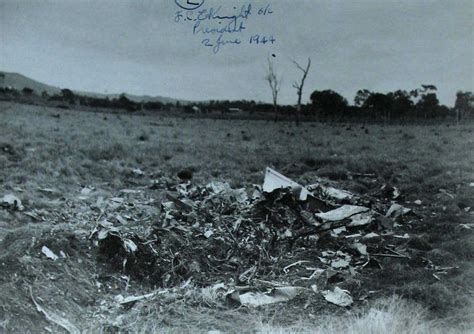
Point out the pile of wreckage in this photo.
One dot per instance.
(257, 246)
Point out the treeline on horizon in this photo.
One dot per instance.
(421, 103)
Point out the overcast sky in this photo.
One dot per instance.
(137, 47)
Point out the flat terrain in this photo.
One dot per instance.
(47, 156)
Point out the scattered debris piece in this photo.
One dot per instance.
(342, 212)
(445, 192)
(361, 248)
(330, 192)
(12, 202)
(337, 193)
(86, 191)
(286, 269)
(396, 210)
(338, 297)
(274, 180)
(130, 191)
(137, 172)
(361, 219)
(132, 299)
(276, 295)
(50, 191)
(208, 234)
(49, 253)
(396, 193)
(371, 235)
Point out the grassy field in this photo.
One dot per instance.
(48, 155)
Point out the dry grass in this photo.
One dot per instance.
(83, 148)
(385, 316)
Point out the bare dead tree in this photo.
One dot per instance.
(275, 84)
(299, 86)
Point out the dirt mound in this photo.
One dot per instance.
(28, 275)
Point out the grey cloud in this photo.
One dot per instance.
(136, 46)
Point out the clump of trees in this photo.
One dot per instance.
(420, 103)
(464, 105)
(27, 91)
(327, 103)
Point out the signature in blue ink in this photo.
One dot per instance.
(231, 27)
(214, 14)
(220, 41)
(189, 4)
(265, 10)
(222, 26)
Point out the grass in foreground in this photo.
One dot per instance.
(434, 164)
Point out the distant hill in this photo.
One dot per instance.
(19, 81)
(135, 98)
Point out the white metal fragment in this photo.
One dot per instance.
(86, 191)
(49, 253)
(129, 245)
(340, 263)
(338, 297)
(274, 180)
(49, 190)
(395, 193)
(334, 193)
(130, 191)
(335, 232)
(405, 236)
(370, 235)
(130, 299)
(397, 210)
(285, 270)
(352, 236)
(11, 201)
(361, 248)
(279, 294)
(341, 213)
(138, 172)
(361, 219)
(121, 220)
(217, 186)
(337, 193)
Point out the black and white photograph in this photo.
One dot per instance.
(237, 166)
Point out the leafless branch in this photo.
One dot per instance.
(299, 86)
(274, 83)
